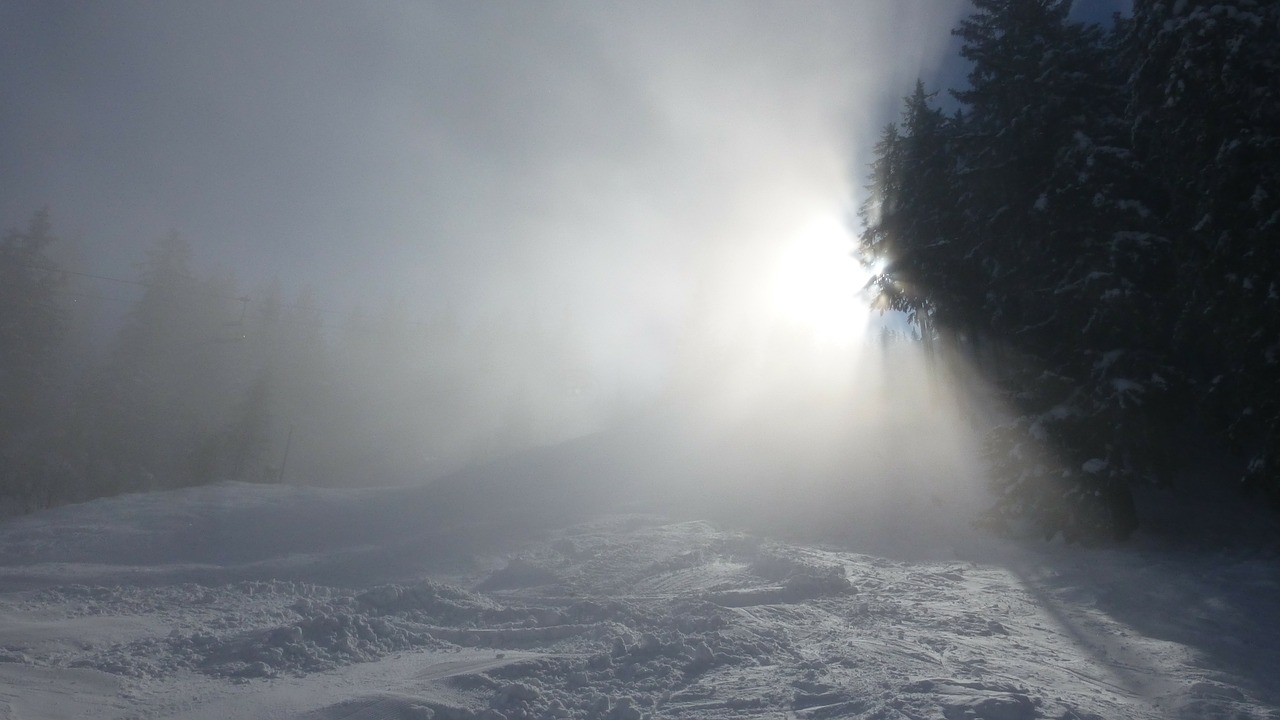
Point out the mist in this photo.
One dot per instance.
(611, 161)
(567, 214)
(579, 359)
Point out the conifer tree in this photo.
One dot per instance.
(1023, 223)
(32, 330)
(1205, 114)
(166, 379)
(32, 322)
(1028, 141)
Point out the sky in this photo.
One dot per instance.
(612, 162)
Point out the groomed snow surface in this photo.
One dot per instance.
(242, 601)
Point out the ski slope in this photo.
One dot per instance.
(252, 601)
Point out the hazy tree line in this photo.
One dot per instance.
(1097, 227)
(203, 382)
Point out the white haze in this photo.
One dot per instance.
(673, 180)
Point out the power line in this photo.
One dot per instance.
(238, 298)
(89, 296)
(284, 321)
(199, 291)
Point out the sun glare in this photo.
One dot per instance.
(818, 280)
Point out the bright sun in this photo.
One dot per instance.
(818, 281)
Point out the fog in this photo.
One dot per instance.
(563, 216)
(604, 158)
(533, 359)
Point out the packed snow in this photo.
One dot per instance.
(247, 601)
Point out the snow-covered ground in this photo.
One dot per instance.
(241, 601)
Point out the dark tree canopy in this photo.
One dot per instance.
(1097, 228)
